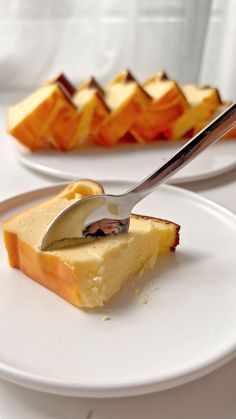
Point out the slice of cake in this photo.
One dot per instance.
(168, 103)
(126, 99)
(204, 102)
(89, 274)
(65, 122)
(89, 99)
(47, 116)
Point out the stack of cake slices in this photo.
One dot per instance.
(64, 117)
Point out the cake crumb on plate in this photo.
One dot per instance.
(144, 299)
(105, 317)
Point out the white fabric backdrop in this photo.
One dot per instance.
(219, 57)
(195, 41)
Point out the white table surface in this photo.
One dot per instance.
(211, 397)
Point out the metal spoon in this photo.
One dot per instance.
(101, 215)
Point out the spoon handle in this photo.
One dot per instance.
(210, 134)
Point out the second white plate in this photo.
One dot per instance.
(186, 329)
(132, 162)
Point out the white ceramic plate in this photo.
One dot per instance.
(186, 329)
(132, 162)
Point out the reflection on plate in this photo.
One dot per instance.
(186, 329)
(132, 162)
